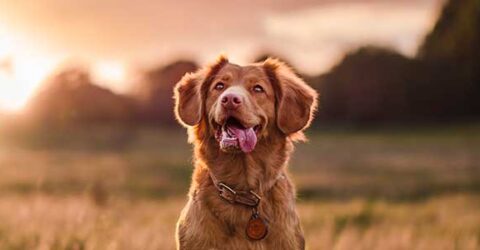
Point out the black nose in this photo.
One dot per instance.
(231, 101)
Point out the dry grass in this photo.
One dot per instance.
(76, 222)
(45, 222)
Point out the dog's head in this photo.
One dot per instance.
(242, 105)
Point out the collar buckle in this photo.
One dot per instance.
(246, 198)
(227, 193)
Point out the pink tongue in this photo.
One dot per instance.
(246, 138)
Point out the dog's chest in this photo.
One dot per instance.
(232, 229)
(245, 222)
(234, 218)
(221, 225)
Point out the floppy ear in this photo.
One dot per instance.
(189, 93)
(188, 102)
(296, 100)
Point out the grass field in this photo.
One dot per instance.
(122, 188)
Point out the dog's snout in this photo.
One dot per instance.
(231, 101)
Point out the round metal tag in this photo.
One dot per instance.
(257, 228)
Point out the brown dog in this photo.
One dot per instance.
(243, 122)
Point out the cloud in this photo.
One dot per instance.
(327, 31)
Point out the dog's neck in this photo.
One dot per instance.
(257, 170)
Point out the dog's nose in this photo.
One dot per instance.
(231, 101)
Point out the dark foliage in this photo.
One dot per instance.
(368, 85)
(442, 83)
(70, 97)
(454, 47)
(155, 91)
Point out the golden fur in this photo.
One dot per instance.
(284, 111)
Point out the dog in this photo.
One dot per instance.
(242, 121)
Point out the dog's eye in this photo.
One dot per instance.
(258, 89)
(219, 86)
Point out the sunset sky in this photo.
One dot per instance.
(116, 37)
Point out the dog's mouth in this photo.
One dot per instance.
(233, 136)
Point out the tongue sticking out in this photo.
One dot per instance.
(246, 138)
(243, 137)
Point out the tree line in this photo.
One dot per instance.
(369, 85)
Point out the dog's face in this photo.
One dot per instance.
(242, 105)
(239, 104)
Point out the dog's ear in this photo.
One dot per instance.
(189, 93)
(296, 100)
(188, 102)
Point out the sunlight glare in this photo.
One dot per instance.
(110, 74)
(20, 73)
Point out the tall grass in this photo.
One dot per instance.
(77, 222)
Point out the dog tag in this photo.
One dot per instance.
(257, 228)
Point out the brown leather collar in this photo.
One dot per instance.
(246, 198)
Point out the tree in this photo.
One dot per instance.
(155, 91)
(70, 97)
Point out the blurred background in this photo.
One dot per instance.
(92, 158)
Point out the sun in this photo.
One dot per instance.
(21, 71)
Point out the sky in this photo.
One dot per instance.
(117, 37)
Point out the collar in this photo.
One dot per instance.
(247, 198)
